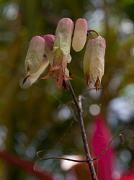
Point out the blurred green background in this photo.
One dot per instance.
(43, 117)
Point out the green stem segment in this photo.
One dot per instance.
(78, 104)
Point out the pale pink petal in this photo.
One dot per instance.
(80, 34)
(63, 38)
(93, 63)
(36, 61)
(49, 39)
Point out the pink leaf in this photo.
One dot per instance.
(100, 140)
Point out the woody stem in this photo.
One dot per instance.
(78, 104)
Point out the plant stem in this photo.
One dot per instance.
(78, 104)
(62, 158)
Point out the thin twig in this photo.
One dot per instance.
(91, 30)
(85, 160)
(78, 103)
(67, 159)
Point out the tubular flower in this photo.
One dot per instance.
(61, 50)
(49, 43)
(80, 34)
(62, 42)
(36, 61)
(93, 63)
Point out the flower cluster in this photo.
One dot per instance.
(53, 51)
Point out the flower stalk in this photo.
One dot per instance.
(78, 104)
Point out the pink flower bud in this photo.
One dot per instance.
(49, 39)
(63, 38)
(61, 51)
(80, 34)
(36, 61)
(93, 63)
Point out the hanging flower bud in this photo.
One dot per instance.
(49, 43)
(49, 38)
(62, 46)
(93, 63)
(36, 61)
(62, 42)
(61, 51)
(80, 34)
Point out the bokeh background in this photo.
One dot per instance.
(42, 118)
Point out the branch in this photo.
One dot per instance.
(62, 158)
(78, 104)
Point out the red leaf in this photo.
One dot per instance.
(26, 165)
(130, 177)
(130, 174)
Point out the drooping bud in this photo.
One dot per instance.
(49, 43)
(93, 63)
(63, 39)
(61, 51)
(36, 61)
(49, 38)
(80, 34)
